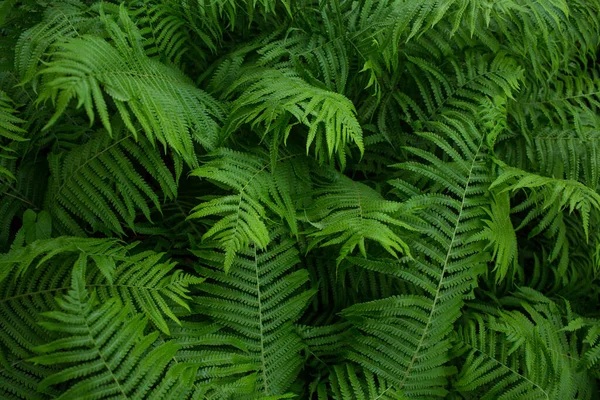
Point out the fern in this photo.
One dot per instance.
(346, 212)
(445, 271)
(529, 353)
(102, 173)
(221, 200)
(103, 348)
(163, 100)
(346, 383)
(19, 195)
(273, 301)
(256, 186)
(279, 100)
(9, 129)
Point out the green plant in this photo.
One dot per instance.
(393, 199)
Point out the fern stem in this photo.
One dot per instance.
(446, 262)
(260, 323)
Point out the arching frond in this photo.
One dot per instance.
(66, 19)
(33, 277)
(405, 338)
(164, 101)
(139, 279)
(276, 101)
(532, 353)
(546, 207)
(257, 187)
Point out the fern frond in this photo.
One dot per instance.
(348, 213)
(531, 352)
(591, 355)
(10, 130)
(163, 29)
(500, 233)
(33, 277)
(138, 279)
(564, 193)
(8, 120)
(327, 342)
(314, 57)
(100, 183)
(222, 364)
(552, 198)
(164, 101)
(102, 351)
(259, 301)
(257, 187)
(16, 196)
(65, 19)
(405, 339)
(556, 124)
(472, 77)
(279, 100)
(349, 382)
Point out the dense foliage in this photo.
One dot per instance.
(269, 199)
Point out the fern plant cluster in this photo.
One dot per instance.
(289, 199)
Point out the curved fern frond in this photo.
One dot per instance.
(140, 279)
(472, 77)
(259, 301)
(164, 101)
(257, 187)
(540, 33)
(163, 29)
(8, 120)
(546, 206)
(348, 213)
(100, 183)
(32, 277)
(222, 365)
(501, 235)
(65, 19)
(565, 154)
(555, 125)
(101, 350)
(279, 100)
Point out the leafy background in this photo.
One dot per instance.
(273, 199)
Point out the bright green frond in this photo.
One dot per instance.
(257, 187)
(164, 101)
(276, 101)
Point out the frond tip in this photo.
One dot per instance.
(280, 100)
